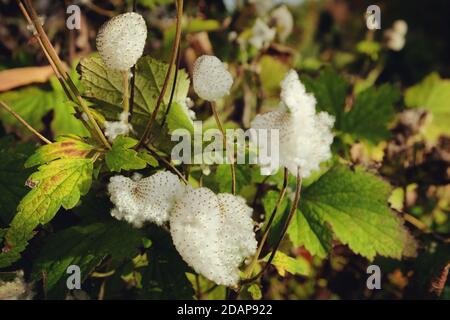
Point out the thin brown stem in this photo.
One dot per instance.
(251, 266)
(22, 121)
(293, 210)
(199, 288)
(225, 145)
(99, 10)
(172, 92)
(211, 289)
(168, 165)
(126, 102)
(133, 79)
(31, 12)
(176, 44)
(132, 90)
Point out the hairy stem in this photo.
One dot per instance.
(22, 121)
(224, 136)
(175, 48)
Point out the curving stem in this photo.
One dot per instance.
(219, 124)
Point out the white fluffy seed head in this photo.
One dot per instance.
(262, 7)
(395, 36)
(117, 128)
(211, 79)
(305, 136)
(144, 200)
(213, 233)
(400, 26)
(262, 34)
(16, 289)
(121, 41)
(284, 22)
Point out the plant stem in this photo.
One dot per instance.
(52, 64)
(249, 270)
(172, 92)
(175, 48)
(211, 289)
(28, 7)
(55, 70)
(168, 165)
(132, 90)
(133, 80)
(126, 102)
(294, 206)
(99, 10)
(22, 121)
(199, 289)
(219, 124)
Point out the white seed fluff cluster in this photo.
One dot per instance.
(117, 128)
(305, 136)
(17, 289)
(395, 36)
(262, 7)
(262, 34)
(211, 79)
(121, 41)
(144, 200)
(32, 28)
(284, 21)
(213, 233)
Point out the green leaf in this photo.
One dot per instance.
(433, 95)
(330, 90)
(13, 176)
(123, 157)
(192, 25)
(283, 263)
(105, 88)
(60, 183)
(165, 276)
(419, 94)
(148, 158)
(371, 114)
(33, 103)
(65, 122)
(255, 291)
(56, 184)
(179, 119)
(309, 230)
(151, 4)
(272, 73)
(65, 147)
(369, 48)
(208, 289)
(85, 246)
(223, 177)
(355, 205)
